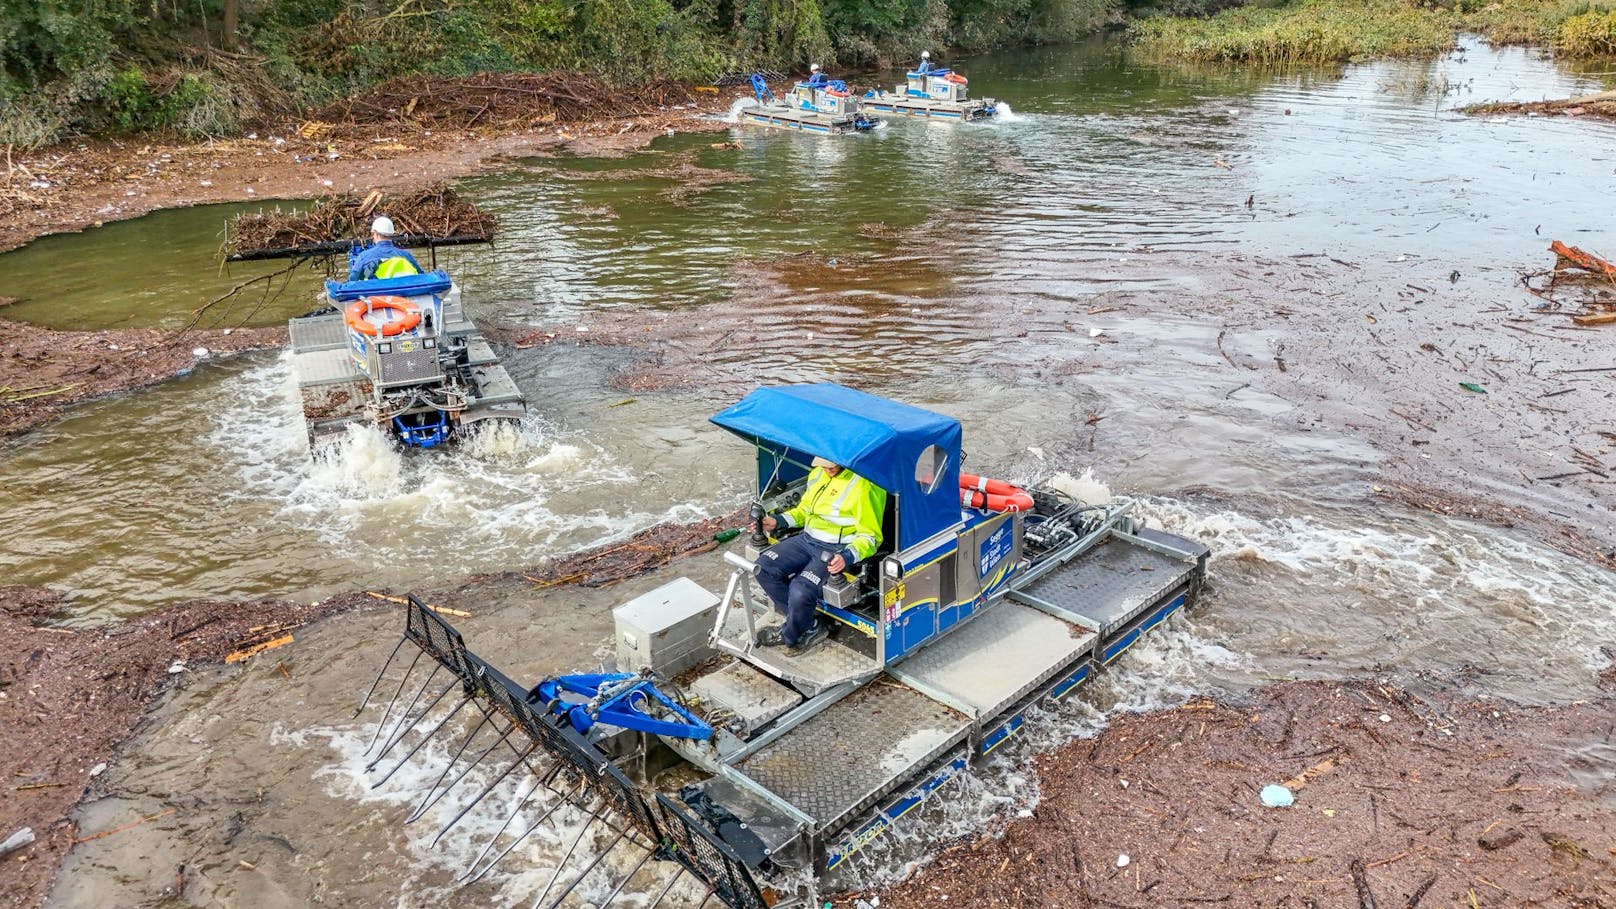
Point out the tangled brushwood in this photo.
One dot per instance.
(435, 213)
(487, 99)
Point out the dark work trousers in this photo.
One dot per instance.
(792, 573)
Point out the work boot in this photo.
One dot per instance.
(808, 641)
(770, 637)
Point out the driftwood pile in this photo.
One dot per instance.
(434, 215)
(501, 98)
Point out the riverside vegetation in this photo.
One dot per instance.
(212, 67)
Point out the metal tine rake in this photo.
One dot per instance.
(599, 857)
(382, 723)
(432, 794)
(562, 865)
(409, 720)
(607, 902)
(678, 873)
(563, 799)
(520, 761)
(424, 739)
(385, 666)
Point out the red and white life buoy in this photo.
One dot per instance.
(956, 78)
(382, 316)
(992, 495)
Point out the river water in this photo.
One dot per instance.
(1046, 278)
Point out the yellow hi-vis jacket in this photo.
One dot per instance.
(845, 509)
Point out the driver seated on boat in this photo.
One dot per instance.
(925, 63)
(815, 77)
(381, 259)
(840, 517)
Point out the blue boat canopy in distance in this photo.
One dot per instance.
(428, 283)
(887, 443)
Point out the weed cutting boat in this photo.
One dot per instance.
(818, 105)
(753, 771)
(937, 93)
(400, 354)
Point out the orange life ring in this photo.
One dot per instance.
(836, 94)
(408, 316)
(992, 495)
(956, 78)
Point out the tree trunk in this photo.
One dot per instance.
(232, 13)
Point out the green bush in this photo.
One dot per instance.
(1588, 34)
(1312, 31)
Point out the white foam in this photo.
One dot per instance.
(1085, 488)
(507, 492)
(1003, 113)
(735, 108)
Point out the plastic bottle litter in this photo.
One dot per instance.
(724, 536)
(17, 840)
(1276, 796)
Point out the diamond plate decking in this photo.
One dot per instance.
(753, 697)
(841, 761)
(820, 668)
(1111, 583)
(324, 367)
(318, 333)
(996, 658)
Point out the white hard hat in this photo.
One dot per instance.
(383, 225)
(925, 55)
(813, 67)
(824, 462)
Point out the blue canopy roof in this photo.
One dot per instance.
(881, 440)
(432, 282)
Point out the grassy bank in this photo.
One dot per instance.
(1322, 31)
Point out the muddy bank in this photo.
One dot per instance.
(69, 698)
(43, 372)
(1600, 107)
(81, 185)
(1400, 800)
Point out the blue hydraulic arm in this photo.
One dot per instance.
(761, 89)
(617, 699)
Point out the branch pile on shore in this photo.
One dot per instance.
(435, 212)
(501, 99)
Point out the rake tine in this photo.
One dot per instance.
(429, 736)
(678, 873)
(405, 718)
(385, 666)
(607, 902)
(482, 795)
(520, 804)
(562, 865)
(407, 721)
(525, 834)
(591, 867)
(430, 798)
(382, 723)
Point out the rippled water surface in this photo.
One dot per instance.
(973, 269)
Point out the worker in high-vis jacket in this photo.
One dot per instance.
(381, 259)
(840, 518)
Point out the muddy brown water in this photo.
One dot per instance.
(1083, 284)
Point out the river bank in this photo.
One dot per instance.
(1401, 799)
(85, 184)
(45, 372)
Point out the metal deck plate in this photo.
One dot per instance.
(996, 658)
(826, 665)
(841, 761)
(751, 696)
(493, 385)
(479, 352)
(1111, 583)
(318, 333)
(323, 367)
